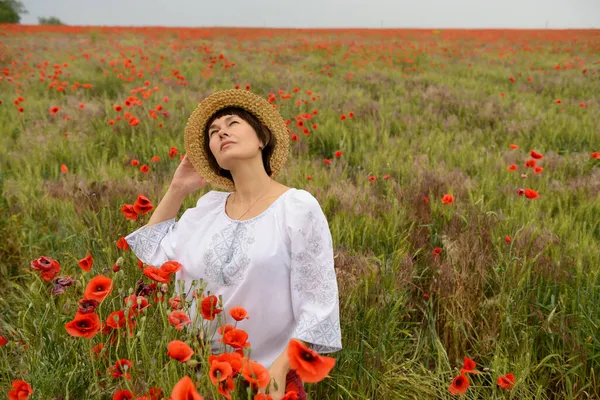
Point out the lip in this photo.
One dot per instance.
(225, 143)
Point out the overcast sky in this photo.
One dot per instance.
(322, 13)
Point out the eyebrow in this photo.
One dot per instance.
(212, 126)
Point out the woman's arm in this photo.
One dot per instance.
(169, 205)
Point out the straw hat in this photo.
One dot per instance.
(256, 105)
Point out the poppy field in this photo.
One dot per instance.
(459, 171)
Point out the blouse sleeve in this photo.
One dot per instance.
(314, 286)
(156, 244)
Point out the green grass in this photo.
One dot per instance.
(529, 307)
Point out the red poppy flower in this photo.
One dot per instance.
(54, 110)
(179, 351)
(261, 396)
(538, 170)
(255, 373)
(117, 319)
(514, 146)
(135, 163)
(155, 393)
(468, 366)
(170, 267)
(595, 155)
(144, 169)
(156, 274)
(136, 303)
(64, 169)
(290, 395)
(342, 117)
(179, 319)
(309, 365)
(83, 325)
(236, 338)
(129, 212)
(98, 288)
(118, 108)
(122, 244)
(536, 155)
(234, 359)
(86, 263)
(47, 265)
(123, 395)
(447, 199)
(219, 371)
(3, 341)
(21, 390)
(512, 167)
(507, 239)
(351, 114)
(121, 368)
(327, 161)
(459, 385)
(87, 306)
(142, 204)
(238, 313)
(437, 251)
(185, 390)
(531, 194)
(225, 387)
(506, 381)
(372, 178)
(209, 307)
(173, 152)
(223, 329)
(175, 303)
(155, 159)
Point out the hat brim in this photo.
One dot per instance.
(257, 106)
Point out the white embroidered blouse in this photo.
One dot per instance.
(277, 265)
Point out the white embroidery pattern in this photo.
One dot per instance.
(226, 259)
(317, 282)
(146, 240)
(324, 336)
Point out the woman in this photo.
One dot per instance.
(259, 244)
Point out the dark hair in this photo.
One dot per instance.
(264, 134)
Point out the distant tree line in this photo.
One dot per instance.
(11, 11)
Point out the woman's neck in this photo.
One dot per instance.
(251, 181)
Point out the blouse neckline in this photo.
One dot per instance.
(259, 215)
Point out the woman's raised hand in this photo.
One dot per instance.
(186, 179)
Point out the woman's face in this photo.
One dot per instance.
(232, 139)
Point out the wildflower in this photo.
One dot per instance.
(185, 390)
(179, 351)
(255, 373)
(459, 385)
(129, 212)
(447, 199)
(86, 263)
(531, 194)
(64, 169)
(142, 205)
(468, 366)
(179, 319)
(536, 155)
(122, 244)
(47, 265)
(209, 307)
(20, 390)
(310, 366)
(506, 381)
(238, 313)
(98, 288)
(83, 325)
